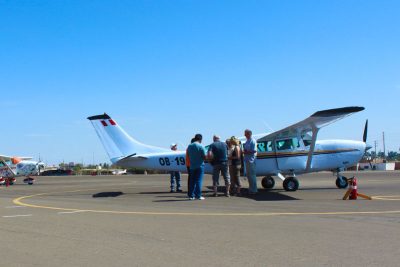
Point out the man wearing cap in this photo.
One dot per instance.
(175, 175)
(218, 153)
(197, 155)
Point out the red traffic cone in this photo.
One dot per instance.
(353, 186)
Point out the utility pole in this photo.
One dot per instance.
(384, 146)
(375, 151)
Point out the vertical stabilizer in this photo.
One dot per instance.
(117, 143)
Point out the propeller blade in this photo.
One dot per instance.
(365, 132)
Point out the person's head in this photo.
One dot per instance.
(198, 138)
(216, 138)
(234, 141)
(248, 133)
(228, 142)
(174, 146)
(192, 141)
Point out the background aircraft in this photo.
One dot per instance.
(12, 167)
(283, 154)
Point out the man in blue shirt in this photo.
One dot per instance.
(250, 155)
(218, 153)
(197, 155)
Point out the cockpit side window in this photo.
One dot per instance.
(307, 138)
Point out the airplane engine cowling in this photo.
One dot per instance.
(15, 160)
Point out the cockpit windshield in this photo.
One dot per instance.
(307, 138)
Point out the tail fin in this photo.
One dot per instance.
(117, 143)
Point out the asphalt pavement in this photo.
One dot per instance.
(133, 220)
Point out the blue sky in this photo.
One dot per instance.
(166, 70)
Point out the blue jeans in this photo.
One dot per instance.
(175, 176)
(196, 182)
(251, 176)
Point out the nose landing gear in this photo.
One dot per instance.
(291, 184)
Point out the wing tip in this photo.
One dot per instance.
(337, 111)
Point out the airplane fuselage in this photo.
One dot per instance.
(328, 155)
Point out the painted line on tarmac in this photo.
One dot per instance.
(389, 198)
(14, 207)
(16, 216)
(19, 201)
(71, 212)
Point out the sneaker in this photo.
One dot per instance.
(191, 198)
(201, 198)
(179, 190)
(172, 191)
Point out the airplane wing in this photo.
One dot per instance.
(7, 158)
(312, 124)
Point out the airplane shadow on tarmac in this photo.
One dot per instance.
(262, 195)
(107, 194)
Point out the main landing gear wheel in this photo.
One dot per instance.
(341, 182)
(291, 184)
(268, 182)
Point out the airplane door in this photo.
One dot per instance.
(266, 157)
(290, 154)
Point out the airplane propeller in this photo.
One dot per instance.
(367, 147)
(365, 132)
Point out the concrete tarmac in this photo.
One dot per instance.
(135, 221)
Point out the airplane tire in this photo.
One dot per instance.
(268, 182)
(291, 184)
(342, 182)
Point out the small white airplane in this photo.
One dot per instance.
(285, 153)
(12, 167)
(119, 172)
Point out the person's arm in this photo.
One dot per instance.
(237, 149)
(252, 150)
(204, 154)
(187, 159)
(209, 153)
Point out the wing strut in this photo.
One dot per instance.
(7, 168)
(315, 131)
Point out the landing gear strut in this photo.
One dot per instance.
(291, 184)
(268, 182)
(341, 182)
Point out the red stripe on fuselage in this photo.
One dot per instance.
(104, 123)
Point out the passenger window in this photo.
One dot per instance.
(261, 147)
(265, 146)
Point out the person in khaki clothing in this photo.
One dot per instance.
(234, 157)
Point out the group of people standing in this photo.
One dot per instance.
(226, 159)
